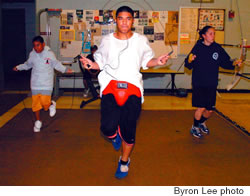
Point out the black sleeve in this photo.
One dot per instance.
(187, 64)
(225, 60)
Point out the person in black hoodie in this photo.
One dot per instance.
(205, 59)
(89, 74)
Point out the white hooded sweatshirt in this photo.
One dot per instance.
(122, 59)
(42, 74)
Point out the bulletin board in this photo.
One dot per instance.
(194, 19)
(79, 29)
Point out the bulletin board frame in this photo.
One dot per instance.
(63, 32)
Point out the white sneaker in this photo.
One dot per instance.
(52, 109)
(38, 125)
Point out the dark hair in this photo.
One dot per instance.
(203, 31)
(124, 9)
(93, 48)
(38, 39)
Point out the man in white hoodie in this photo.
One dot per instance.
(43, 62)
(120, 57)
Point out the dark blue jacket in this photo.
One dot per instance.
(206, 64)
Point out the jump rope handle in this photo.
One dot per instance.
(171, 52)
(79, 57)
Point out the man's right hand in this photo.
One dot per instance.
(87, 63)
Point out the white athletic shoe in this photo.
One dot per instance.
(38, 125)
(52, 109)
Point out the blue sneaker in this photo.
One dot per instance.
(204, 128)
(122, 170)
(195, 131)
(116, 142)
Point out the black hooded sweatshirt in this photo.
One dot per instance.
(206, 64)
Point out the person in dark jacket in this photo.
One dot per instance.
(89, 74)
(205, 59)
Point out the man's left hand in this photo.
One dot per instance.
(161, 60)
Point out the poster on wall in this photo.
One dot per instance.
(143, 14)
(136, 14)
(212, 17)
(173, 17)
(79, 14)
(171, 34)
(86, 47)
(66, 35)
(155, 17)
(159, 37)
(70, 18)
(164, 16)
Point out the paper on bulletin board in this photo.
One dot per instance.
(72, 49)
(80, 26)
(68, 17)
(189, 19)
(63, 19)
(171, 34)
(163, 17)
(79, 36)
(96, 12)
(173, 17)
(184, 38)
(66, 35)
(188, 25)
(150, 22)
(155, 17)
(159, 36)
(79, 15)
(86, 47)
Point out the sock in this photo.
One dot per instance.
(203, 119)
(196, 122)
(124, 162)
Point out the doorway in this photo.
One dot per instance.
(14, 48)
